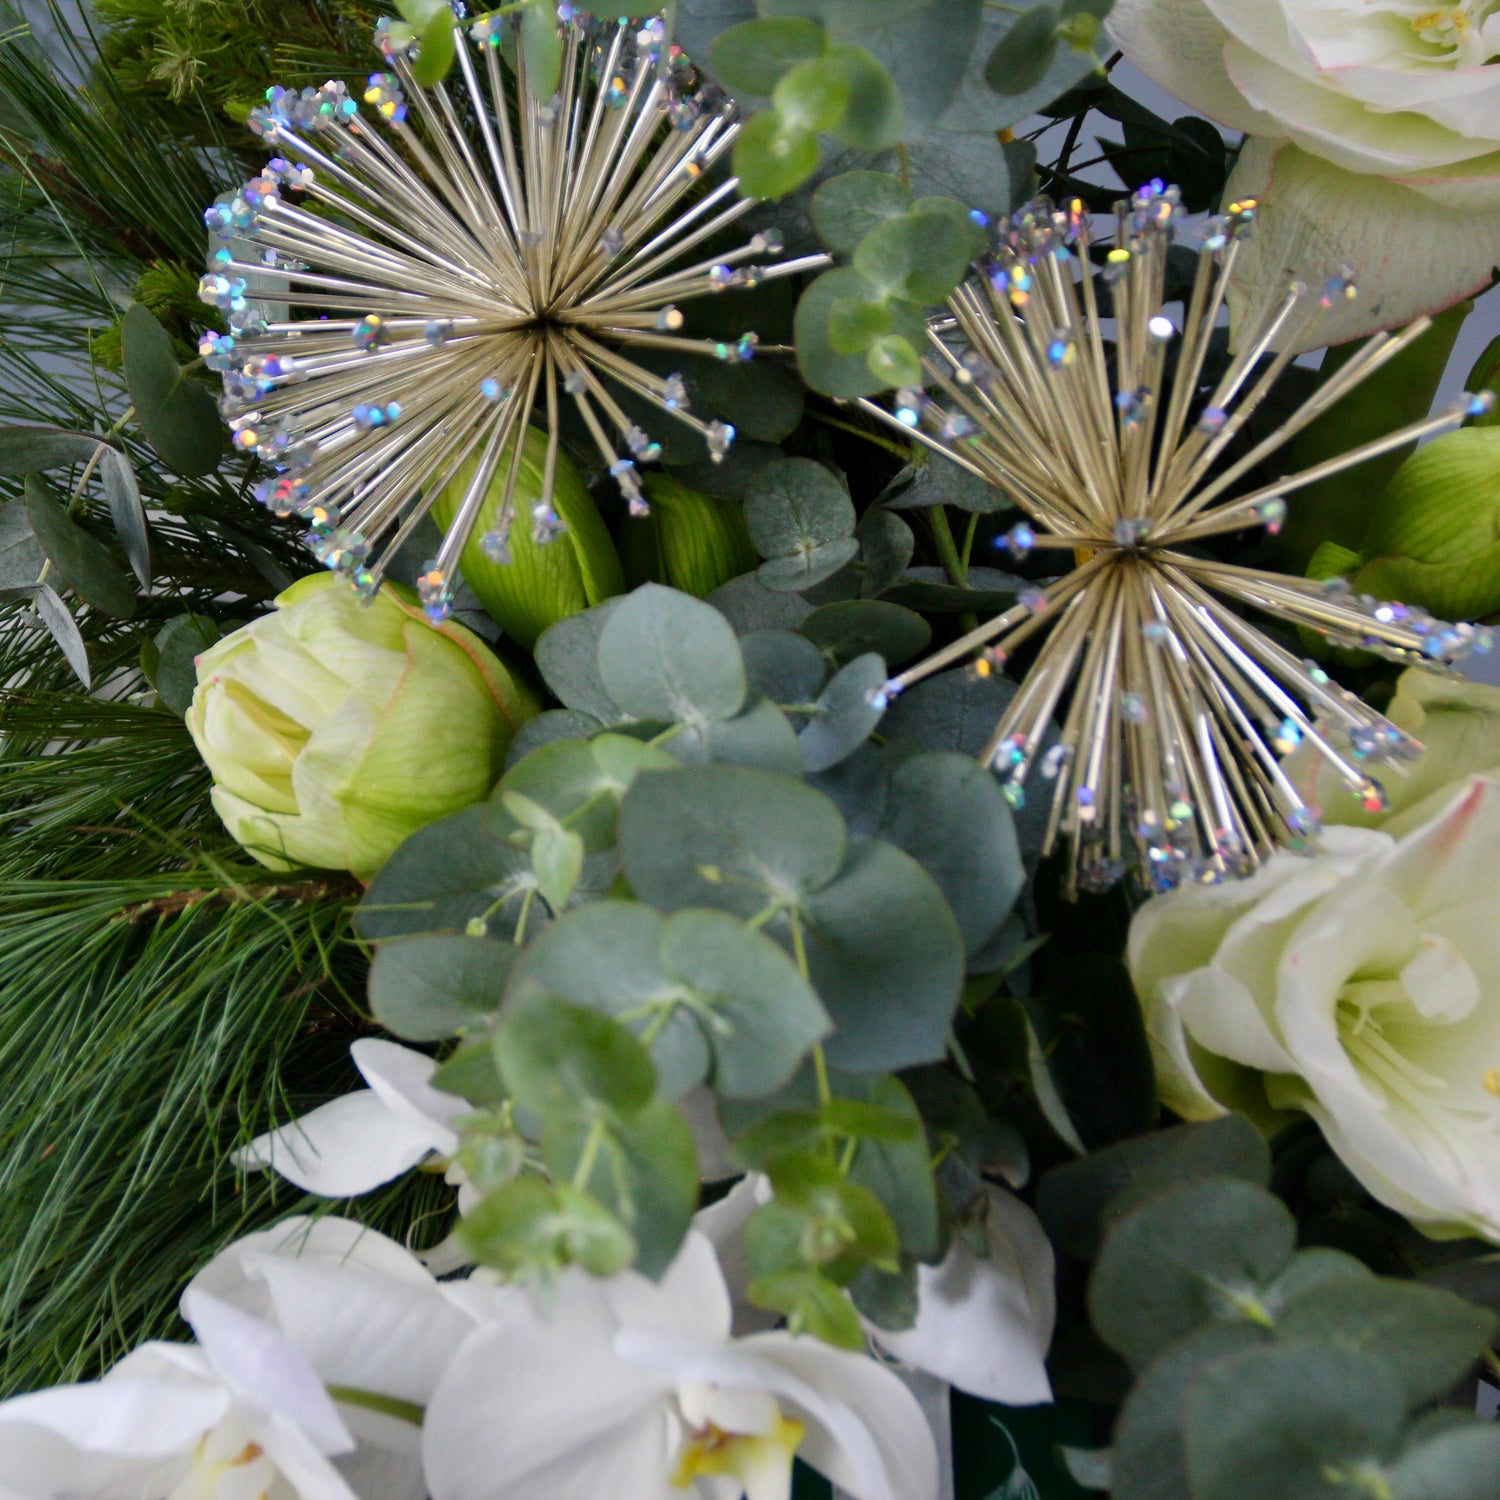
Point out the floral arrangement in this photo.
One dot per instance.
(723, 779)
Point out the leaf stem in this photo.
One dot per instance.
(390, 1406)
(590, 1154)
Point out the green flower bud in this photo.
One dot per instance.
(334, 727)
(1434, 535)
(543, 582)
(688, 540)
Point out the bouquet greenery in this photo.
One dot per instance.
(722, 776)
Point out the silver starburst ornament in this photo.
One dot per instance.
(1174, 708)
(459, 260)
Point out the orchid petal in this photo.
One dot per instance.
(402, 1079)
(984, 1323)
(265, 1369)
(343, 1148)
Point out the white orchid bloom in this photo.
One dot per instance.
(368, 1316)
(984, 1321)
(632, 1389)
(242, 1414)
(359, 1141)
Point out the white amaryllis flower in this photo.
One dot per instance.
(984, 1320)
(356, 1142)
(632, 1389)
(241, 1414)
(1375, 138)
(1361, 986)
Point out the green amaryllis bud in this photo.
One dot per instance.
(690, 540)
(1434, 535)
(544, 581)
(334, 728)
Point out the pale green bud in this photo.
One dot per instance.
(544, 581)
(336, 727)
(1434, 535)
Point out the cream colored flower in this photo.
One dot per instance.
(334, 727)
(1361, 986)
(1375, 137)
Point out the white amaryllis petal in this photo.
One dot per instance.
(1381, 992)
(353, 1144)
(984, 1323)
(1414, 255)
(1180, 44)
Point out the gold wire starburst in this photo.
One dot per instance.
(463, 253)
(1170, 742)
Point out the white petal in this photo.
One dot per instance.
(1221, 1015)
(375, 1334)
(343, 1148)
(402, 1079)
(1341, 130)
(1413, 255)
(300, 1460)
(104, 1437)
(865, 1430)
(1180, 45)
(723, 1224)
(233, 1275)
(984, 1323)
(535, 1411)
(264, 1369)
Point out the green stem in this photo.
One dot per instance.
(968, 548)
(591, 1147)
(889, 444)
(947, 549)
(389, 1406)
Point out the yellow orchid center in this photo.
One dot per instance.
(225, 1463)
(761, 1462)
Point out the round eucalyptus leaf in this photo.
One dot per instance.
(822, 366)
(752, 56)
(810, 566)
(1425, 1337)
(1023, 55)
(813, 95)
(580, 782)
(549, 728)
(745, 602)
(949, 814)
(761, 736)
(893, 361)
(1200, 1253)
(646, 1175)
(558, 1059)
(728, 837)
(608, 958)
(848, 709)
(796, 505)
(567, 656)
(871, 116)
(761, 1017)
(446, 878)
(786, 667)
(921, 256)
(427, 988)
(847, 207)
(853, 627)
(886, 956)
(665, 655)
(772, 156)
(1296, 1422)
(33, 449)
